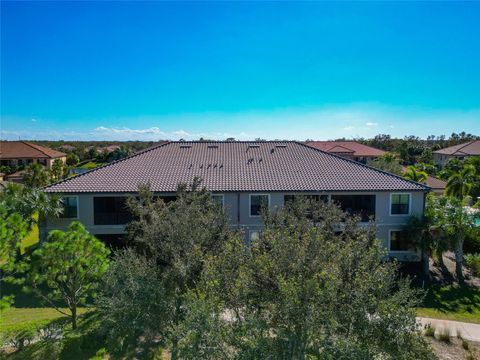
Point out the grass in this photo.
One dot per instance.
(90, 165)
(18, 316)
(32, 237)
(450, 302)
(30, 240)
(430, 331)
(444, 335)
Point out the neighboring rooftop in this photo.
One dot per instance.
(346, 147)
(435, 183)
(26, 150)
(235, 166)
(471, 148)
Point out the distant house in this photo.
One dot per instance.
(460, 152)
(16, 177)
(22, 153)
(104, 149)
(243, 176)
(438, 186)
(349, 150)
(67, 147)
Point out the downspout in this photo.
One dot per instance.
(238, 210)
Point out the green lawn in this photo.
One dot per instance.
(19, 316)
(90, 165)
(452, 303)
(31, 239)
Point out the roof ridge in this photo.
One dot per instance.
(342, 147)
(367, 166)
(41, 147)
(108, 164)
(465, 145)
(461, 146)
(34, 147)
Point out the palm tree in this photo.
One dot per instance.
(416, 175)
(460, 184)
(390, 157)
(28, 202)
(457, 223)
(36, 176)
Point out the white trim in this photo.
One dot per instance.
(250, 204)
(222, 196)
(78, 207)
(390, 251)
(409, 204)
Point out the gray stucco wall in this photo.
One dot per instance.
(237, 206)
(441, 160)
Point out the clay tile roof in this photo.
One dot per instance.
(235, 166)
(23, 149)
(350, 146)
(471, 148)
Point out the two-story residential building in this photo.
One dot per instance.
(460, 152)
(349, 150)
(21, 153)
(243, 176)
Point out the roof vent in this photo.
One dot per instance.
(185, 146)
(254, 146)
(212, 146)
(281, 146)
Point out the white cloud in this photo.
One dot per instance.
(34, 120)
(181, 133)
(321, 123)
(128, 131)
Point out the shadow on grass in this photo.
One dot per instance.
(80, 344)
(453, 299)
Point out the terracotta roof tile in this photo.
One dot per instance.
(346, 146)
(23, 149)
(235, 166)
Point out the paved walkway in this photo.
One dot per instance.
(467, 330)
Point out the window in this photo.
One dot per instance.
(257, 202)
(359, 205)
(113, 241)
(166, 198)
(400, 204)
(110, 211)
(218, 199)
(70, 207)
(400, 241)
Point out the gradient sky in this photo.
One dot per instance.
(130, 70)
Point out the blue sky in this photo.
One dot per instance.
(132, 70)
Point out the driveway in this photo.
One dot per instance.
(467, 330)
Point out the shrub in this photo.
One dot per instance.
(429, 330)
(53, 330)
(472, 241)
(444, 335)
(465, 344)
(473, 262)
(19, 336)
